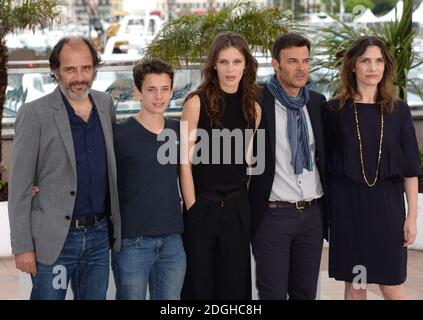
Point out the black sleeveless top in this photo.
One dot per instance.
(225, 172)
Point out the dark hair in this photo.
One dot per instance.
(154, 65)
(210, 86)
(54, 58)
(385, 88)
(289, 40)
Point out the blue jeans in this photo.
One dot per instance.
(158, 261)
(84, 261)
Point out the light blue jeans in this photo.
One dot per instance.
(158, 261)
(84, 261)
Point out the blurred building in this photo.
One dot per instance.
(302, 5)
(117, 9)
(175, 8)
(83, 10)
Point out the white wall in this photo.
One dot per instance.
(418, 244)
(5, 248)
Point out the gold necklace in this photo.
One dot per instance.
(361, 148)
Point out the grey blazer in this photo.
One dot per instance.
(43, 155)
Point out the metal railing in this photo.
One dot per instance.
(29, 80)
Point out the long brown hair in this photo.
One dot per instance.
(210, 86)
(385, 89)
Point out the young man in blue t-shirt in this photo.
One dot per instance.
(152, 251)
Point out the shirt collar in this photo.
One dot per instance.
(68, 106)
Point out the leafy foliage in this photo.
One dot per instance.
(187, 38)
(28, 15)
(397, 35)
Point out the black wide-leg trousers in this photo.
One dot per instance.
(217, 245)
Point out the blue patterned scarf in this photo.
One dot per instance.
(297, 124)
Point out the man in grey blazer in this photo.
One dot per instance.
(64, 146)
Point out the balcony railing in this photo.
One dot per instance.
(29, 80)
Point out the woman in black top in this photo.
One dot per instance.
(221, 115)
(373, 159)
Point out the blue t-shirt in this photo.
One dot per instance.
(149, 198)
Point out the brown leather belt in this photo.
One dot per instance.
(297, 205)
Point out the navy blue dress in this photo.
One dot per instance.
(367, 222)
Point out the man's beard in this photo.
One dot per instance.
(67, 90)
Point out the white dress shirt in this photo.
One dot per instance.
(288, 186)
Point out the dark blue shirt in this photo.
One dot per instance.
(150, 204)
(91, 162)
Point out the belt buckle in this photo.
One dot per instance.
(298, 206)
(272, 205)
(77, 224)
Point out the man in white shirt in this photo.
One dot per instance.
(287, 200)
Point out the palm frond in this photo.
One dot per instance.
(187, 39)
(397, 35)
(35, 14)
(28, 15)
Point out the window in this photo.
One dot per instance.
(136, 25)
(151, 27)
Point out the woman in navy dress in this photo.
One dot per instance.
(373, 159)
